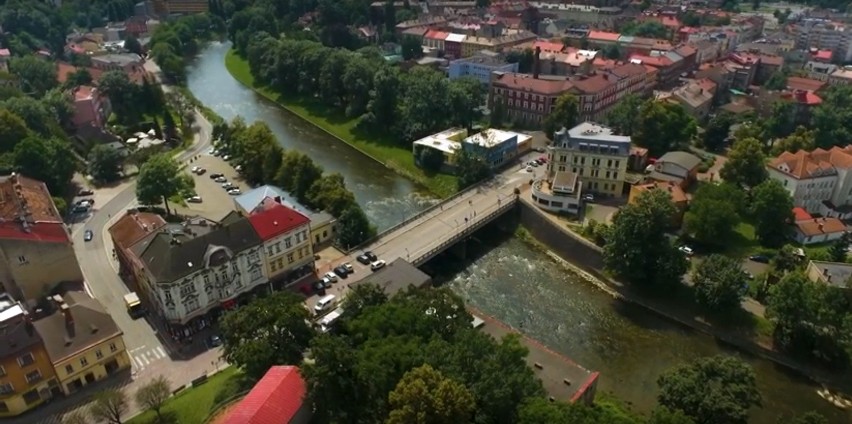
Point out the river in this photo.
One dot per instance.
(510, 281)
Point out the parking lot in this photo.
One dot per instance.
(215, 201)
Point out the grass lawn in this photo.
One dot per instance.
(193, 405)
(744, 242)
(344, 128)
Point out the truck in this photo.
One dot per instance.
(134, 305)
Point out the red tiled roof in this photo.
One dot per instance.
(819, 226)
(772, 59)
(804, 164)
(275, 399)
(528, 83)
(132, 227)
(28, 212)
(604, 35)
(823, 55)
(276, 220)
(548, 46)
(655, 61)
(800, 214)
(807, 84)
(64, 70)
(436, 35)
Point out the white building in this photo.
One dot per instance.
(824, 35)
(819, 181)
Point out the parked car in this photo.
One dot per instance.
(195, 169)
(193, 199)
(377, 265)
(214, 341)
(226, 158)
(530, 169)
(371, 255)
(88, 235)
(589, 197)
(326, 282)
(213, 151)
(349, 268)
(216, 175)
(331, 276)
(228, 185)
(235, 192)
(686, 250)
(85, 192)
(759, 258)
(201, 171)
(363, 258)
(319, 288)
(341, 271)
(221, 179)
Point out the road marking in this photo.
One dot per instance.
(139, 364)
(144, 359)
(161, 351)
(137, 349)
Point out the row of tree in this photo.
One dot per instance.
(658, 126)
(263, 161)
(172, 42)
(400, 105)
(111, 405)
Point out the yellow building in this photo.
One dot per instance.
(286, 240)
(26, 374)
(593, 152)
(83, 342)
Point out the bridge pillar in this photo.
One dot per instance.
(459, 250)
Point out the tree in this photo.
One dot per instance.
(329, 193)
(776, 81)
(361, 297)
(46, 159)
(719, 282)
(430, 159)
(154, 394)
(539, 410)
(718, 389)
(121, 92)
(635, 248)
(306, 173)
(353, 227)
(425, 396)
(786, 260)
(832, 119)
(810, 417)
(498, 113)
(470, 169)
(663, 415)
(251, 148)
(837, 251)
(717, 131)
(801, 139)
(36, 75)
(782, 120)
(565, 114)
(612, 51)
(411, 48)
(133, 45)
(663, 127)
(466, 97)
(624, 115)
(771, 210)
(269, 331)
(713, 214)
(159, 179)
(34, 113)
(109, 406)
(746, 165)
(651, 29)
(77, 78)
(105, 163)
(382, 108)
(12, 130)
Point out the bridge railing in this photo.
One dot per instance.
(417, 216)
(469, 229)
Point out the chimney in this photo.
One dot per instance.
(66, 312)
(825, 271)
(537, 62)
(278, 199)
(820, 227)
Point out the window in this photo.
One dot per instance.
(280, 263)
(191, 304)
(33, 376)
(287, 243)
(290, 258)
(278, 247)
(84, 362)
(187, 289)
(22, 259)
(273, 266)
(254, 256)
(112, 347)
(6, 388)
(26, 360)
(255, 274)
(168, 296)
(2, 371)
(99, 354)
(615, 175)
(269, 250)
(69, 369)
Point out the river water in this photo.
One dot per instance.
(507, 279)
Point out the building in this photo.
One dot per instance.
(593, 152)
(696, 97)
(447, 142)
(453, 45)
(479, 67)
(129, 63)
(496, 147)
(841, 76)
(680, 168)
(435, 39)
(83, 342)
(559, 194)
(397, 276)
(180, 7)
(819, 181)
(678, 196)
(127, 231)
(472, 44)
(818, 230)
(90, 107)
(823, 34)
(278, 398)
(834, 274)
(323, 225)
(187, 270)
(27, 378)
(36, 251)
(286, 240)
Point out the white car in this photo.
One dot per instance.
(221, 180)
(226, 158)
(235, 192)
(530, 169)
(195, 169)
(331, 276)
(349, 267)
(193, 199)
(686, 250)
(377, 265)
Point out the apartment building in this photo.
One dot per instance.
(479, 67)
(180, 7)
(27, 378)
(90, 107)
(286, 240)
(824, 34)
(36, 251)
(819, 181)
(595, 154)
(472, 44)
(82, 340)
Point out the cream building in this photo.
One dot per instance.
(286, 239)
(595, 154)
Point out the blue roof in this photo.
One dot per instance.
(251, 199)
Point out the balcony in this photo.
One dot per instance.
(560, 194)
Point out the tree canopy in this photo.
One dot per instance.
(663, 126)
(771, 209)
(713, 214)
(746, 165)
(719, 283)
(159, 179)
(564, 115)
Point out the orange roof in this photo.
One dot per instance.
(807, 84)
(603, 36)
(436, 35)
(64, 70)
(819, 226)
(772, 59)
(548, 46)
(812, 164)
(677, 194)
(799, 214)
(655, 61)
(528, 83)
(134, 226)
(83, 92)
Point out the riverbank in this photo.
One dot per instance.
(576, 253)
(346, 130)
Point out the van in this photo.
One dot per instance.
(327, 322)
(325, 303)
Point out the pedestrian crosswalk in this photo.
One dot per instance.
(143, 357)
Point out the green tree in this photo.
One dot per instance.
(269, 331)
(837, 251)
(713, 214)
(832, 119)
(122, 94)
(105, 163)
(154, 394)
(624, 115)
(719, 282)
(430, 159)
(60, 105)
(50, 160)
(470, 169)
(36, 75)
(133, 45)
(717, 131)
(109, 406)
(77, 78)
(334, 375)
(565, 115)
(467, 96)
(425, 396)
(159, 179)
(272, 162)
(771, 210)
(361, 297)
(612, 51)
(746, 165)
(776, 81)
(12, 130)
(650, 29)
(636, 250)
(663, 127)
(411, 48)
(663, 415)
(810, 417)
(251, 148)
(782, 120)
(718, 389)
(540, 410)
(34, 113)
(786, 260)
(801, 139)
(382, 108)
(329, 193)
(353, 227)
(498, 113)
